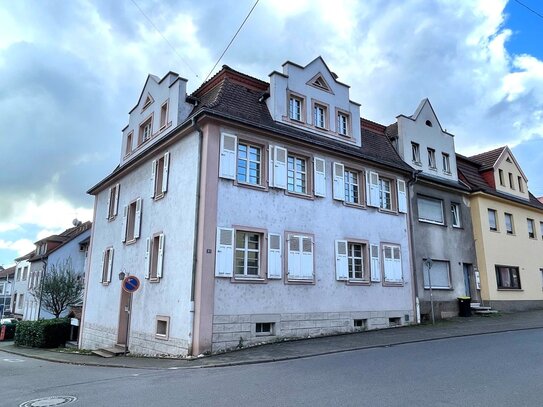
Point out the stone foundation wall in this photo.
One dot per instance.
(515, 306)
(94, 336)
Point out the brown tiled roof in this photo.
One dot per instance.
(392, 130)
(7, 272)
(64, 238)
(488, 158)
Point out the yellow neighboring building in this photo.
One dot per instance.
(508, 231)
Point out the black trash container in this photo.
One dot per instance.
(464, 306)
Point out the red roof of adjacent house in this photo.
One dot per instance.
(62, 238)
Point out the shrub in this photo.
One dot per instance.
(45, 333)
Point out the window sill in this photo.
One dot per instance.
(393, 283)
(248, 280)
(447, 172)
(301, 281)
(264, 334)
(257, 187)
(105, 283)
(129, 242)
(159, 196)
(154, 280)
(358, 282)
(439, 288)
(431, 222)
(457, 227)
(299, 195)
(389, 211)
(417, 163)
(510, 289)
(111, 218)
(510, 234)
(354, 205)
(161, 337)
(494, 230)
(433, 169)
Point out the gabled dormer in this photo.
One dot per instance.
(311, 98)
(501, 171)
(424, 144)
(161, 107)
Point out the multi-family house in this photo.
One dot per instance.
(442, 236)
(20, 284)
(52, 251)
(6, 286)
(508, 230)
(265, 210)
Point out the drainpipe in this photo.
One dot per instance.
(416, 303)
(197, 127)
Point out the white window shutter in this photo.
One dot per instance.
(227, 162)
(339, 181)
(153, 178)
(375, 269)
(270, 166)
(148, 257)
(165, 173)
(397, 261)
(101, 270)
(280, 167)
(294, 258)
(224, 262)
(373, 192)
(319, 166)
(274, 256)
(160, 259)
(116, 202)
(108, 202)
(342, 265)
(125, 224)
(110, 265)
(402, 196)
(307, 258)
(137, 221)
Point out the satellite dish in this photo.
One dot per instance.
(76, 222)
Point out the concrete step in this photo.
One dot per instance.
(103, 353)
(486, 312)
(71, 344)
(109, 352)
(480, 308)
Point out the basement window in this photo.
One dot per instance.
(360, 323)
(264, 328)
(395, 321)
(162, 327)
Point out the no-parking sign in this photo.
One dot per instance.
(131, 284)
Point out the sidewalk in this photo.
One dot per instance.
(457, 327)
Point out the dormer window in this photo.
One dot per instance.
(295, 108)
(145, 131)
(342, 124)
(319, 116)
(520, 184)
(500, 174)
(511, 184)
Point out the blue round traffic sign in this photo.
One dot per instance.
(131, 284)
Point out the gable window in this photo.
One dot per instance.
(145, 131)
(385, 194)
(508, 277)
(132, 221)
(164, 115)
(107, 265)
(446, 163)
(295, 110)
(319, 116)
(500, 174)
(531, 228)
(508, 223)
(159, 176)
(352, 184)
(296, 174)
(154, 257)
(511, 184)
(300, 257)
(541, 228)
(249, 163)
(113, 202)
(392, 264)
(520, 184)
(415, 153)
(247, 257)
(492, 222)
(129, 141)
(430, 210)
(455, 213)
(432, 158)
(342, 124)
(438, 275)
(148, 101)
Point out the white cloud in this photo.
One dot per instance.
(20, 246)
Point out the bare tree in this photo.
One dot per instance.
(59, 288)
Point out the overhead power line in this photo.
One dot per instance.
(232, 40)
(532, 10)
(164, 38)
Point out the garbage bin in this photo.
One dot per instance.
(464, 306)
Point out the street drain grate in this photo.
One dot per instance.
(49, 401)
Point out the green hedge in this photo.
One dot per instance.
(45, 333)
(10, 331)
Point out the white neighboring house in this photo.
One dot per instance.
(20, 285)
(269, 210)
(72, 243)
(6, 287)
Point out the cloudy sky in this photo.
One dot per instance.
(71, 70)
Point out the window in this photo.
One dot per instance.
(162, 327)
(154, 257)
(492, 222)
(511, 185)
(356, 253)
(295, 108)
(502, 181)
(541, 273)
(300, 257)
(508, 277)
(129, 141)
(159, 176)
(296, 174)
(432, 158)
(430, 210)
(264, 328)
(541, 228)
(360, 323)
(455, 213)
(113, 201)
(164, 115)
(2, 288)
(531, 228)
(342, 124)
(385, 194)
(145, 131)
(247, 258)
(438, 275)
(249, 164)
(508, 223)
(25, 273)
(392, 264)
(107, 265)
(446, 163)
(520, 184)
(132, 221)
(352, 184)
(20, 302)
(319, 116)
(415, 153)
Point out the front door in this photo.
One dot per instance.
(124, 316)
(467, 279)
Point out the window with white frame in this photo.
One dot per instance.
(248, 254)
(2, 287)
(295, 111)
(352, 186)
(446, 163)
(508, 223)
(113, 201)
(432, 159)
(145, 131)
(164, 115)
(162, 330)
(342, 123)
(319, 116)
(300, 257)
(296, 174)
(25, 273)
(439, 275)
(455, 215)
(520, 184)
(492, 220)
(541, 229)
(415, 152)
(531, 228)
(385, 193)
(20, 302)
(154, 257)
(356, 255)
(132, 221)
(107, 265)
(129, 141)
(249, 163)
(430, 210)
(392, 264)
(511, 184)
(159, 176)
(500, 174)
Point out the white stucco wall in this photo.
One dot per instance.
(173, 215)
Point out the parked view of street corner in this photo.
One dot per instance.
(310, 203)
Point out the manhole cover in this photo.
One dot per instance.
(49, 401)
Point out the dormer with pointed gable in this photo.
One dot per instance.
(311, 98)
(160, 108)
(424, 144)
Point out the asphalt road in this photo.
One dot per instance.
(504, 369)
